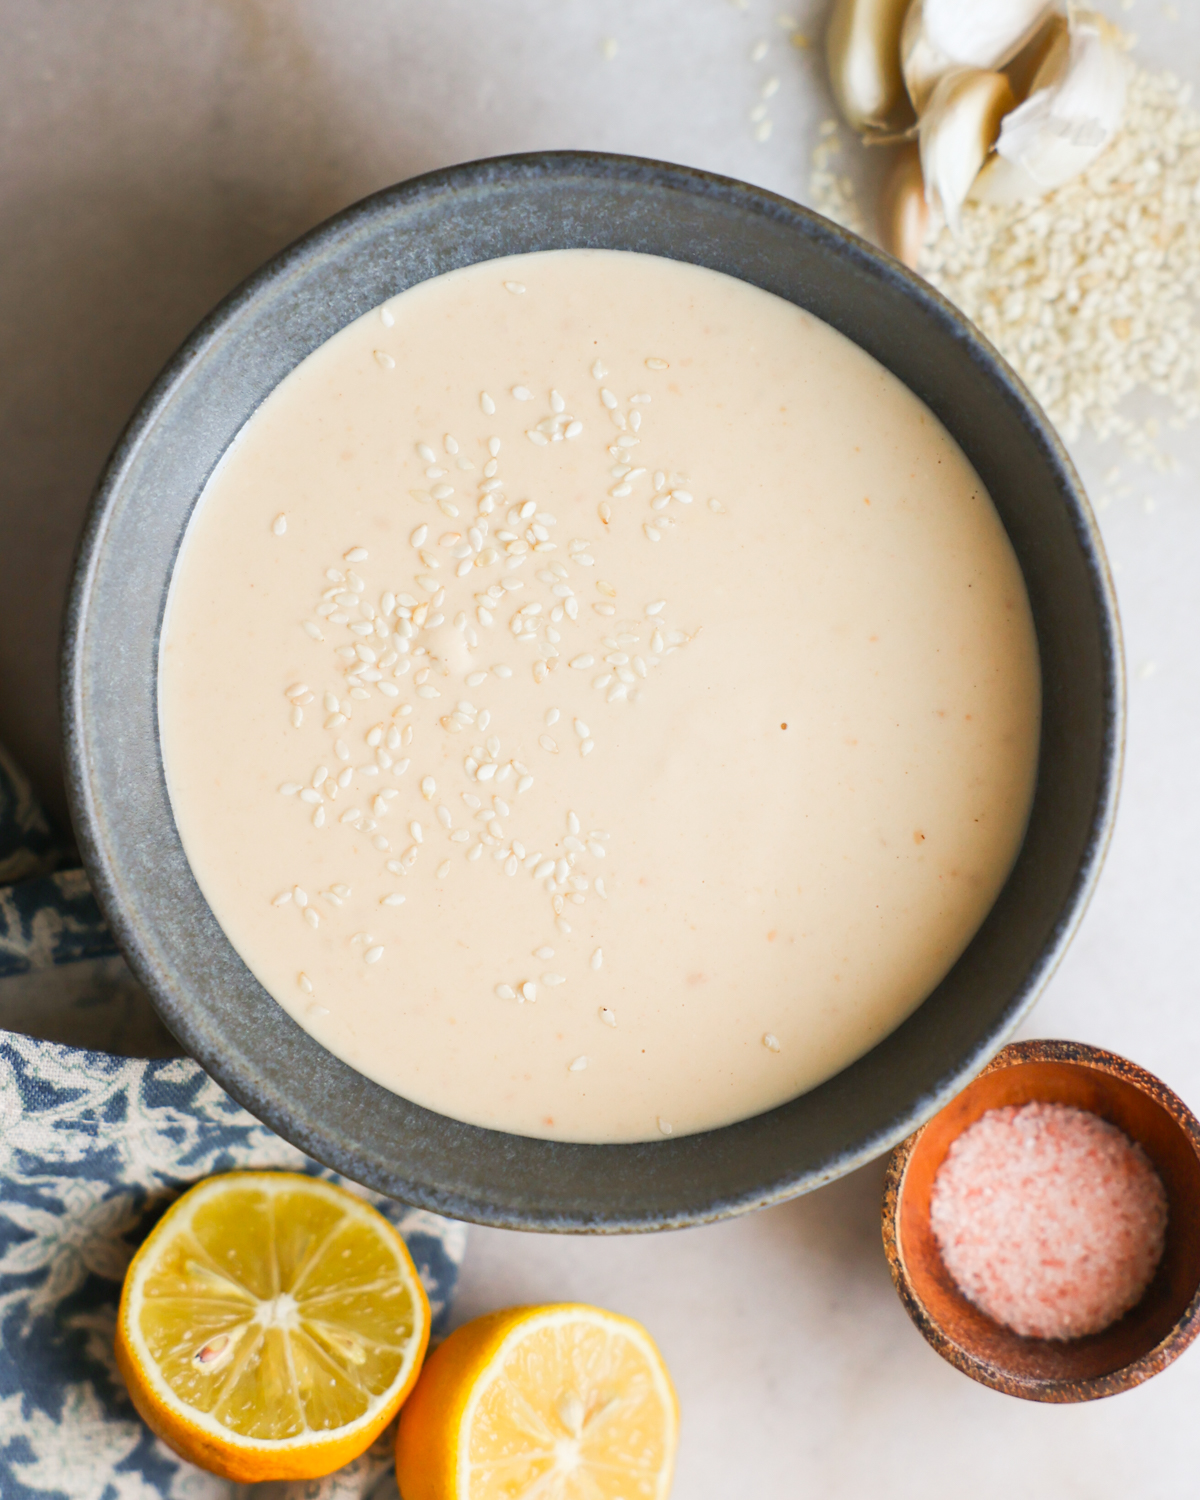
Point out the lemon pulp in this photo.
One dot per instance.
(558, 1402)
(278, 1308)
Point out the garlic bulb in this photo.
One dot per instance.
(942, 34)
(862, 48)
(1073, 110)
(959, 126)
(903, 211)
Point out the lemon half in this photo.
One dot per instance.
(270, 1326)
(563, 1402)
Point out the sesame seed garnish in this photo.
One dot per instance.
(279, 524)
(665, 1126)
(304, 982)
(513, 286)
(385, 360)
(471, 570)
(770, 1041)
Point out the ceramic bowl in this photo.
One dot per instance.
(130, 845)
(1150, 1335)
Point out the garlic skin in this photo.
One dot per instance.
(903, 211)
(939, 35)
(1074, 109)
(959, 126)
(862, 49)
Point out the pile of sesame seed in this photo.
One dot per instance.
(1090, 293)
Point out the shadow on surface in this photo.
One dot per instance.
(156, 160)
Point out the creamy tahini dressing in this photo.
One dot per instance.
(598, 700)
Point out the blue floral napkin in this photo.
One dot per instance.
(93, 1147)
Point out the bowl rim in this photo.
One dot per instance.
(1030, 1388)
(105, 874)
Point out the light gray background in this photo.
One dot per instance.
(157, 151)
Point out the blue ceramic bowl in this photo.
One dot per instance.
(130, 845)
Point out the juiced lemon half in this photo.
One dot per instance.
(270, 1326)
(563, 1402)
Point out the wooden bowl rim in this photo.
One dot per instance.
(1029, 1388)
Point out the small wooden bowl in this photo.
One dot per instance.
(1150, 1335)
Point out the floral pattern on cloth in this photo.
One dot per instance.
(28, 846)
(93, 1148)
(49, 921)
(46, 918)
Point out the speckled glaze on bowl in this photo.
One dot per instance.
(1153, 1333)
(131, 848)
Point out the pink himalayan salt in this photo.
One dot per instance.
(1049, 1219)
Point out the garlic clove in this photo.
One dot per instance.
(921, 63)
(982, 33)
(1001, 183)
(1040, 52)
(903, 210)
(942, 34)
(862, 48)
(1073, 111)
(959, 126)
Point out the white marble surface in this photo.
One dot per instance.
(155, 154)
